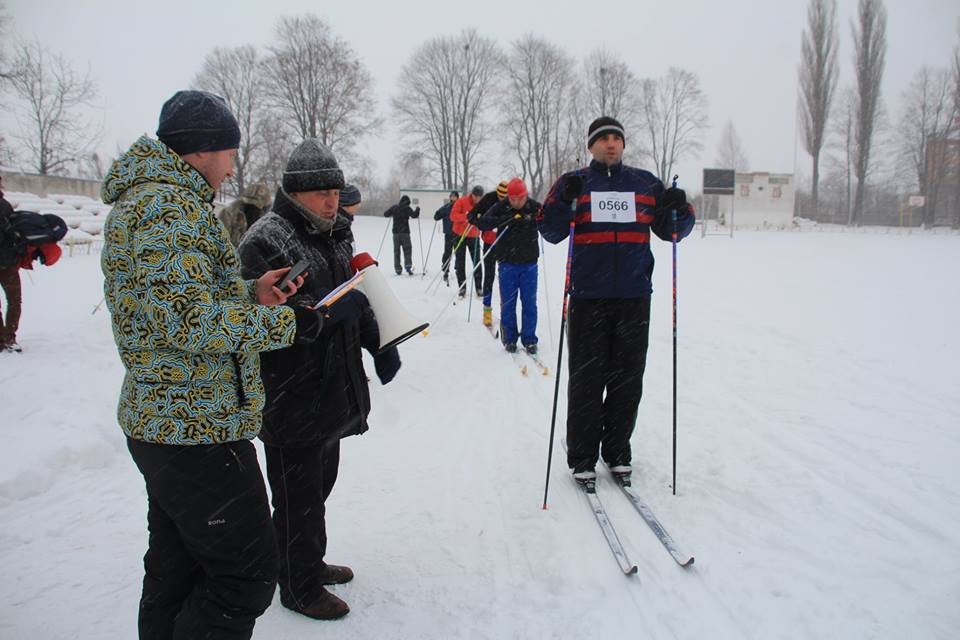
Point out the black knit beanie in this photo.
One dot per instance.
(193, 121)
(312, 167)
(349, 195)
(601, 127)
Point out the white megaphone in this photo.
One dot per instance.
(395, 323)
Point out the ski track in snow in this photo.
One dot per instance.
(817, 476)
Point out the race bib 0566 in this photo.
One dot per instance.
(613, 206)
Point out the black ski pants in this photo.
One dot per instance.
(607, 342)
(211, 564)
(301, 478)
(472, 245)
(489, 273)
(401, 241)
(449, 241)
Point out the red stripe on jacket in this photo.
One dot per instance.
(607, 237)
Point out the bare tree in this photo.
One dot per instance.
(610, 89)
(319, 86)
(235, 74)
(674, 119)
(927, 121)
(730, 153)
(870, 46)
(818, 81)
(842, 132)
(52, 96)
(535, 109)
(955, 68)
(279, 140)
(445, 93)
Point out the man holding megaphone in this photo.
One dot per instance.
(316, 393)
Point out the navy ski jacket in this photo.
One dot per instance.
(611, 244)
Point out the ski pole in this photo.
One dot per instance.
(97, 308)
(546, 291)
(429, 248)
(422, 256)
(387, 228)
(563, 324)
(446, 265)
(450, 302)
(673, 215)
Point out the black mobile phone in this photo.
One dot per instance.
(297, 270)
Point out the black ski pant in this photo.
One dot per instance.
(472, 245)
(402, 241)
(211, 564)
(489, 273)
(301, 478)
(607, 342)
(449, 240)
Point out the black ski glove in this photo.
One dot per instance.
(347, 309)
(673, 199)
(387, 364)
(571, 189)
(309, 324)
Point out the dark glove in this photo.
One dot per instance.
(387, 364)
(309, 324)
(347, 309)
(673, 199)
(571, 189)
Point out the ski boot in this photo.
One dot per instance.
(587, 480)
(488, 316)
(621, 473)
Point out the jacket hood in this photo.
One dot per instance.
(150, 161)
(404, 201)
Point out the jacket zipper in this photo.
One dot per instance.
(241, 396)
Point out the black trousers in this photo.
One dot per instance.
(402, 241)
(449, 240)
(301, 478)
(211, 564)
(489, 273)
(473, 246)
(607, 342)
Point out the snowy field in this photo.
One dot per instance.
(819, 483)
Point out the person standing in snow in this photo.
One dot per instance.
(189, 331)
(245, 210)
(488, 237)
(517, 252)
(350, 203)
(401, 214)
(9, 276)
(449, 237)
(317, 393)
(614, 207)
(467, 240)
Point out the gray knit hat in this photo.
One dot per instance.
(312, 167)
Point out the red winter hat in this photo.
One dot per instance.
(516, 188)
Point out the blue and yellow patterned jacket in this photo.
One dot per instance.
(186, 324)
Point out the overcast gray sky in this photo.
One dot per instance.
(745, 52)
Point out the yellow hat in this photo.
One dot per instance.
(502, 189)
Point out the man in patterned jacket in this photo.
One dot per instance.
(614, 207)
(189, 330)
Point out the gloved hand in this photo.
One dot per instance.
(571, 189)
(347, 309)
(673, 199)
(309, 324)
(387, 364)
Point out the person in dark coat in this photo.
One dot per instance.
(517, 252)
(614, 208)
(350, 203)
(9, 276)
(449, 237)
(401, 214)
(316, 393)
(487, 238)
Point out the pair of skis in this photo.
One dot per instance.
(616, 547)
(517, 356)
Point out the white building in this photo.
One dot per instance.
(761, 199)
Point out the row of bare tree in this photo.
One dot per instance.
(918, 143)
(459, 95)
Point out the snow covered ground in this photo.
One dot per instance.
(818, 479)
